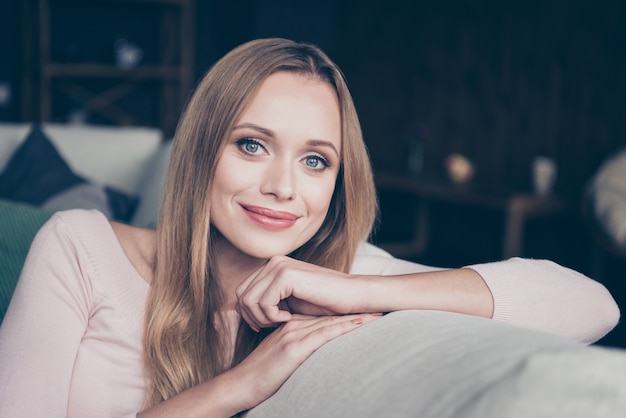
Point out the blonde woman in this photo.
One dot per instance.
(254, 266)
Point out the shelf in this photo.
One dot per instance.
(165, 2)
(153, 93)
(517, 207)
(154, 72)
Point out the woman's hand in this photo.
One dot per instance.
(264, 371)
(284, 286)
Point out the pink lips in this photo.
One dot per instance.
(270, 219)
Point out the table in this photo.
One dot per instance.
(517, 207)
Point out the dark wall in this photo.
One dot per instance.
(9, 58)
(499, 81)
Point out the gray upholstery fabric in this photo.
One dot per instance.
(437, 364)
(81, 196)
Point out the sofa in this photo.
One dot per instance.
(44, 168)
(405, 364)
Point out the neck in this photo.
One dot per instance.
(232, 268)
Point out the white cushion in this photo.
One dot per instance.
(113, 156)
(151, 188)
(366, 248)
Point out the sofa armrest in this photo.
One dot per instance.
(19, 224)
(440, 364)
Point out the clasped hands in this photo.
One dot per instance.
(308, 305)
(285, 286)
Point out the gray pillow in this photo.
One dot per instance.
(438, 364)
(81, 196)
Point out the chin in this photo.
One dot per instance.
(264, 254)
(266, 250)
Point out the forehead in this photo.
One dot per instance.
(297, 87)
(295, 102)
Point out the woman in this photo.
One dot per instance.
(254, 264)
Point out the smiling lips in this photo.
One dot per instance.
(270, 219)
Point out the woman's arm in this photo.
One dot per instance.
(60, 340)
(260, 374)
(533, 294)
(42, 330)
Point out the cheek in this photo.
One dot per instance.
(229, 177)
(318, 199)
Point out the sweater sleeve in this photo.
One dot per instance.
(544, 296)
(535, 294)
(43, 327)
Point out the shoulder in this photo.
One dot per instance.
(91, 232)
(139, 245)
(75, 227)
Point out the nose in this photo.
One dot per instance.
(279, 180)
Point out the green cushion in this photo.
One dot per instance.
(18, 225)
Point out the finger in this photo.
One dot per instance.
(257, 318)
(256, 325)
(321, 331)
(272, 303)
(254, 313)
(241, 311)
(247, 300)
(243, 286)
(263, 299)
(308, 324)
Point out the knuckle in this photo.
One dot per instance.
(290, 326)
(239, 290)
(327, 332)
(291, 346)
(247, 299)
(277, 260)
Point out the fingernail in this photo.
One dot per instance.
(255, 329)
(357, 321)
(377, 313)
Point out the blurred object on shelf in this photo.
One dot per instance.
(460, 169)
(544, 171)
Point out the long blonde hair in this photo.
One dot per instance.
(182, 342)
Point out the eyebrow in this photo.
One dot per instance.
(269, 133)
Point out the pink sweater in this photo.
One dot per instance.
(71, 341)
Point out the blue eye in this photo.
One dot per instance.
(249, 145)
(316, 162)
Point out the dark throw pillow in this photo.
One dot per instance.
(36, 171)
(37, 174)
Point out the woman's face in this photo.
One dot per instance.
(275, 180)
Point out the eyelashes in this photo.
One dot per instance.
(254, 147)
(250, 146)
(314, 162)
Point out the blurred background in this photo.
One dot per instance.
(457, 99)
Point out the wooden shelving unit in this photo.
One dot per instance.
(99, 86)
